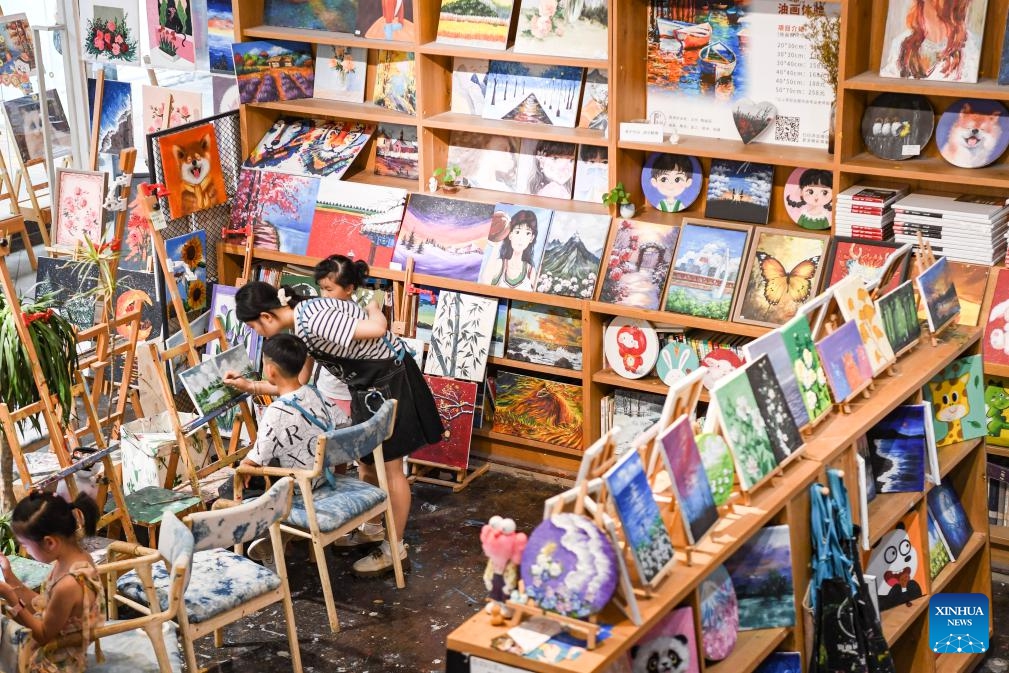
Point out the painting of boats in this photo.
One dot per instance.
(717, 61)
(690, 35)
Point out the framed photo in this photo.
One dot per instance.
(79, 213)
(862, 258)
(783, 271)
(706, 265)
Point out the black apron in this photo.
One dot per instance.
(371, 382)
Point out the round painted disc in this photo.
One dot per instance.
(718, 465)
(809, 206)
(720, 361)
(676, 360)
(674, 185)
(569, 566)
(719, 615)
(972, 133)
(631, 347)
(897, 126)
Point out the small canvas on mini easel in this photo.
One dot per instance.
(899, 313)
(944, 504)
(739, 191)
(718, 465)
(957, 397)
(460, 338)
(395, 81)
(16, 34)
(809, 372)
(938, 294)
(845, 362)
(164, 108)
(274, 71)
(862, 258)
(358, 220)
(773, 346)
(637, 263)
(192, 170)
(188, 263)
(340, 73)
(79, 214)
(111, 30)
(25, 118)
(856, 306)
(535, 94)
(538, 409)
(761, 571)
(899, 449)
(670, 646)
(276, 208)
(456, 402)
(647, 539)
(572, 254)
(546, 335)
(581, 32)
(445, 237)
(744, 429)
(170, 34)
(689, 479)
(781, 427)
(205, 381)
(899, 554)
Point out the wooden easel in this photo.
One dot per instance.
(898, 265)
(924, 258)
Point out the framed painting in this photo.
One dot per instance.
(938, 295)
(192, 170)
(689, 479)
(857, 306)
(539, 409)
(456, 402)
(358, 220)
(112, 30)
(273, 71)
(845, 362)
(170, 34)
(445, 237)
(187, 260)
(277, 208)
(783, 271)
(862, 258)
(761, 571)
(79, 216)
(573, 254)
(706, 266)
(637, 263)
(460, 338)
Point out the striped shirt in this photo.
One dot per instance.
(327, 326)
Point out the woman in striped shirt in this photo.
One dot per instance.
(355, 346)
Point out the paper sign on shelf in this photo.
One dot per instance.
(638, 132)
(478, 665)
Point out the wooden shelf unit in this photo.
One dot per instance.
(831, 444)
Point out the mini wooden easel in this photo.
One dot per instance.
(924, 258)
(897, 266)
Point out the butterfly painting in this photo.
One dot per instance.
(782, 273)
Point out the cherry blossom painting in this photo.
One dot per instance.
(276, 208)
(456, 402)
(78, 207)
(165, 108)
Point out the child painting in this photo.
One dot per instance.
(810, 204)
(672, 176)
(933, 39)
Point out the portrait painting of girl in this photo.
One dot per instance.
(809, 195)
(933, 39)
(515, 247)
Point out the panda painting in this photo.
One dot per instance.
(895, 561)
(670, 647)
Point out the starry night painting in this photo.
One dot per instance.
(116, 129)
(445, 237)
(898, 447)
(739, 191)
(538, 94)
(945, 506)
(761, 572)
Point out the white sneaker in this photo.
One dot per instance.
(261, 550)
(361, 536)
(379, 561)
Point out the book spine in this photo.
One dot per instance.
(992, 494)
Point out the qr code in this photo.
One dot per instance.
(786, 129)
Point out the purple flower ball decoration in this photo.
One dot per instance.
(719, 615)
(569, 566)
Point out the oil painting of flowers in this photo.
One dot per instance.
(744, 429)
(164, 108)
(576, 28)
(111, 29)
(78, 207)
(170, 33)
(809, 373)
(188, 263)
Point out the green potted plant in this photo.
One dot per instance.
(449, 179)
(619, 200)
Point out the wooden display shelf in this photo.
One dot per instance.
(322, 37)
(457, 121)
(886, 509)
(720, 148)
(957, 663)
(928, 169)
(946, 575)
(999, 535)
(997, 450)
(752, 647)
(321, 107)
(647, 384)
(535, 367)
(896, 621)
(493, 196)
(509, 54)
(536, 444)
(366, 176)
(986, 87)
(474, 635)
(994, 368)
(953, 454)
(678, 319)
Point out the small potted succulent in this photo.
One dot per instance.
(449, 179)
(619, 200)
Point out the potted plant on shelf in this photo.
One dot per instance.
(619, 200)
(449, 179)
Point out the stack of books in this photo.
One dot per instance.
(998, 490)
(963, 228)
(705, 341)
(867, 211)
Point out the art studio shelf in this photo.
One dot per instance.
(986, 87)
(720, 148)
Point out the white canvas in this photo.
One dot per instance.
(340, 73)
(460, 337)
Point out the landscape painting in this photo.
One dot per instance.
(335, 16)
(637, 263)
(643, 529)
(971, 282)
(938, 553)
(572, 254)
(475, 23)
(944, 504)
(456, 402)
(674, 638)
(170, 34)
(783, 271)
(773, 346)
(358, 220)
(634, 412)
(395, 81)
(72, 286)
(427, 306)
(781, 426)
(809, 372)
(845, 362)
(460, 337)
(220, 35)
(538, 409)
(515, 246)
(396, 151)
(445, 237)
(857, 306)
(79, 214)
(497, 339)
(689, 479)
(739, 191)
(761, 572)
(187, 261)
(579, 32)
(546, 335)
(898, 449)
(957, 397)
(273, 71)
(898, 309)
(115, 125)
(718, 465)
(205, 381)
(938, 294)
(276, 208)
(706, 268)
(340, 73)
(744, 428)
(536, 94)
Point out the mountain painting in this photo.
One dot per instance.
(761, 572)
(538, 409)
(534, 94)
(445, 237)
(898, 449)
(546, 335)
(358, 220)
(115, 130)
(573, 253)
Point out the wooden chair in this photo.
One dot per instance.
(330, 511)
(225, 586)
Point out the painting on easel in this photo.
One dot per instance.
(25, 118)
(78, 217)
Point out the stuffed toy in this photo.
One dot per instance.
(503, 548)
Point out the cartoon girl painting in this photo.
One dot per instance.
(553, 170)
(816, 192)
(936, 43)
(515, 267)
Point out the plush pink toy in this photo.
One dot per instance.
(503, 548)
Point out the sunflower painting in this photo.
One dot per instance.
(187, 263)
